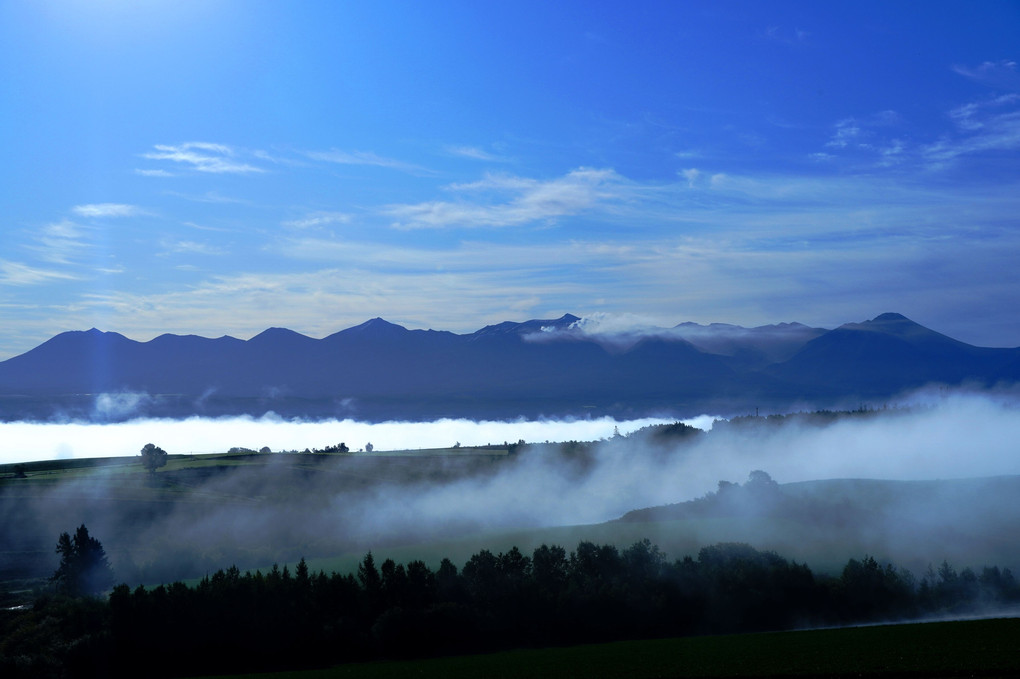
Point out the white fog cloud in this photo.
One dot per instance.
(27, 441)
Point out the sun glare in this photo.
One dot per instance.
(120, 20)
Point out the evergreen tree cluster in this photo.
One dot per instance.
(84, 569)
(235, 622)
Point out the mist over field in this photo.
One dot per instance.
(308, 505)
(960, 437)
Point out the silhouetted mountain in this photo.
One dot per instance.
(379, 370)
(887, 355)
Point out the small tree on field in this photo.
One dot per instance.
(153, 457)
(84, 569)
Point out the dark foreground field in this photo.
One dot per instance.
(978, 648)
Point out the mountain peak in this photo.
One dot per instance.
(92, 334)
(277, 336)
(377, 327)
(887, 322)
(902, 328)
(277, 332)
(511, 328)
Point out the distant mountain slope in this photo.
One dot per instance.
(889, 354)
(379, 370)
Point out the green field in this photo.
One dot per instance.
(980, 648)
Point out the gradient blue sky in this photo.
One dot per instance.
(220, 167)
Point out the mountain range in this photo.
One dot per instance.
(552, 367)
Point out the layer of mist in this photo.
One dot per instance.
(316, 505)
(31, 441)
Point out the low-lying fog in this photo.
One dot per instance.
(275, 512)
(30, 441)
(929, 437)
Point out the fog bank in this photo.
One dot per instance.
(31, 441)
(288, 506)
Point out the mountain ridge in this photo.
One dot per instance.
(539, 367)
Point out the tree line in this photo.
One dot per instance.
(282, 619)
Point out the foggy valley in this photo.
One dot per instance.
(181, 524)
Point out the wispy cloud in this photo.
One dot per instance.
(974, 115)
(64, 242)
(1001, 74)
(892, 153)
(203, 157)
(317, 219)
(991, 124)
(205, 227)
(190, 248)
(847, 132)
(863, 133)
(982, 126)
(59, 243)
(513, 201)
(154, 173)
(474, 153)
(100, 210)
(469, 256)
(18, 274)
(365, 158)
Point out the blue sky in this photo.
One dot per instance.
(221, 167)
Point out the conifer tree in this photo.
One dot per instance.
(84, 569)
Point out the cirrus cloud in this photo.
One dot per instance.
(525, 200)
(17, 273)
(99, 210)
(1000, 74)
(203, 157)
